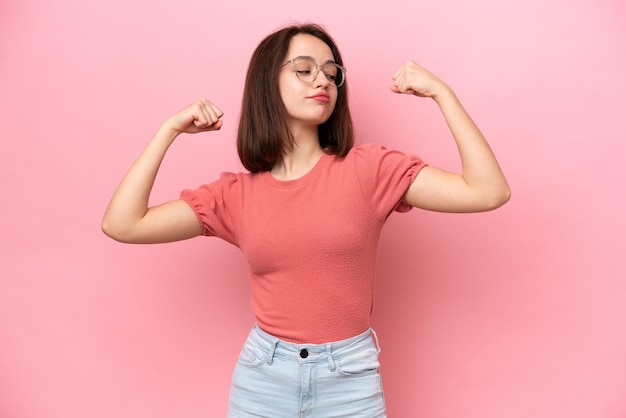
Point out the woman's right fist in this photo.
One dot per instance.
(200, 116)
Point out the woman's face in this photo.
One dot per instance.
(307, 103)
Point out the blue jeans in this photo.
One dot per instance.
(276, 379)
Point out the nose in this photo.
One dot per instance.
(321, 80)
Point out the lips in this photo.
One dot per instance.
(322, 97)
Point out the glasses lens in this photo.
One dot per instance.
(305, 69)
(334, 74)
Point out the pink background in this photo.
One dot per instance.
(514, 313)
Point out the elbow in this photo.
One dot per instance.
(506, 195)
(113, 231)
(108, 229)
(498, 198)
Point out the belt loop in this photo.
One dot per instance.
(375, 339)
(272, 351)
(329, 354)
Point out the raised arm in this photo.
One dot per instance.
(481, 185)
(128, 217)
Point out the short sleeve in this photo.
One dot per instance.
(385, 176)
(214, 204)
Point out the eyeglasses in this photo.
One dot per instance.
(307, 70)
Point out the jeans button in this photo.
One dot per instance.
(304, 353)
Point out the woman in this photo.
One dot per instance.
(307, 216)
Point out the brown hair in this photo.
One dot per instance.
(264, 134)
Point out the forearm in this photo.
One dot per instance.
(481, 170)
(130, 201)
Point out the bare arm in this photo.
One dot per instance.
(481, 185)
(128, 217)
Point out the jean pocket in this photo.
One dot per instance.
(252, 356)
(361, 363)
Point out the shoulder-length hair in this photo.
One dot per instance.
(264, 135)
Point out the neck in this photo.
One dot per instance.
(299, 161)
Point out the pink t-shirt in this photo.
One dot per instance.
(311, 243)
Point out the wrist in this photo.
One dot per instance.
(167, 133)
(442, 93)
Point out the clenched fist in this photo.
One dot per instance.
(412, 78)
(200, 116)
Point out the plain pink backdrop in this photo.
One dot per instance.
(515, 313)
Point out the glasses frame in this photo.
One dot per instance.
(317, 69)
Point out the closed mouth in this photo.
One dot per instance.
(321, 96)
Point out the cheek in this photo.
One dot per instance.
(288, 100)
(334, 102)
(281, 90)
(287, 91)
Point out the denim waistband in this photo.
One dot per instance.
(277, 348)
